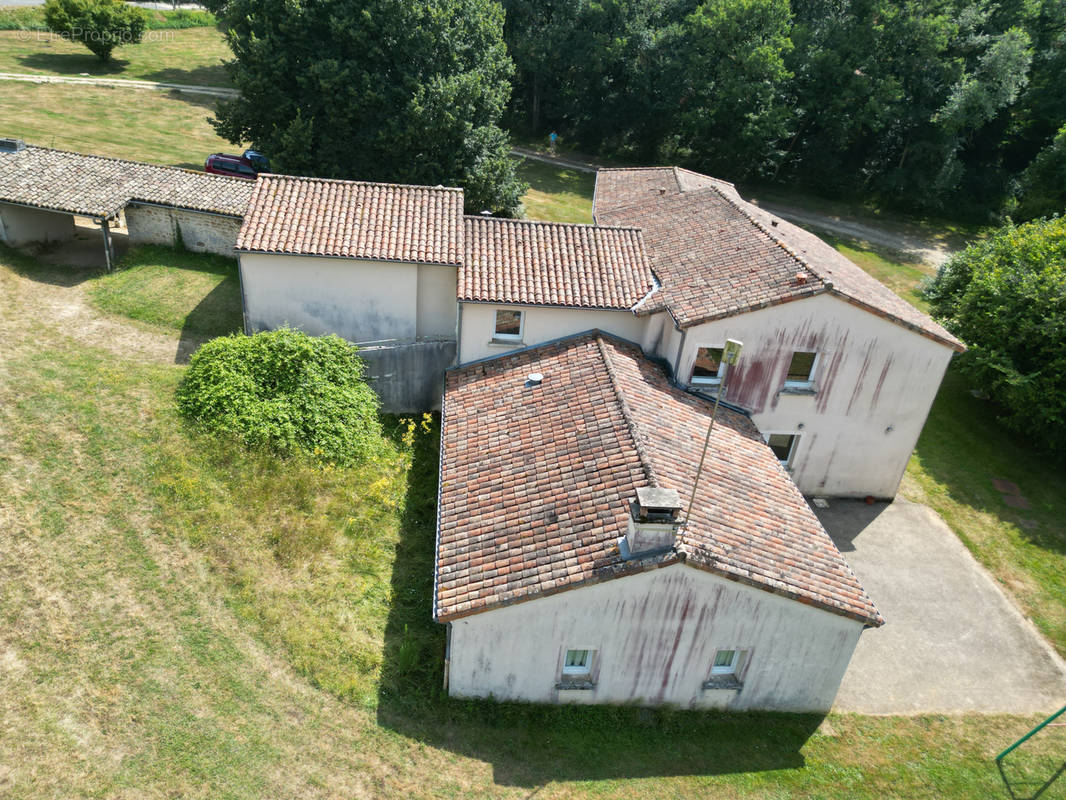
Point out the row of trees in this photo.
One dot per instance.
(930, 102)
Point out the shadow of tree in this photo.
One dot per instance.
(214, 75)
(73, 64)
(529, 745)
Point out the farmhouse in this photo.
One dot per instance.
(43, 190)
(567, 570)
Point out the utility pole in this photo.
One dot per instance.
(730, 356)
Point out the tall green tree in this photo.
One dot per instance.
(101, 25)
(1006, 298)
(394, 90)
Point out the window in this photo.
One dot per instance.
(801, 369)
(508, 325)
(783, 445)
(708, 367)
(577, 662)
(725, 662)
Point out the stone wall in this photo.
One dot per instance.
(200, 232)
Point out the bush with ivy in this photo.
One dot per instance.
(1006, 299)
(101, 25)
(284, 391)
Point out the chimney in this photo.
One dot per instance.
(653, 522)
(801, 278)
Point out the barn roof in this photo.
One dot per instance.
(354, 219)
(98, 186)
(552, 263)
(536, 484)
(718, 255)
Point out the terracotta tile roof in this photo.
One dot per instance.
(354, 219)
(549, 263)
(97, 186)
(536, 484)
(718, 255)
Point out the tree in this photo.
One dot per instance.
(395, 90)
(1006, 298)
(101, 25)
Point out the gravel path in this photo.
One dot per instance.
(119, 83)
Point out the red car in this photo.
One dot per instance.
(247, 165)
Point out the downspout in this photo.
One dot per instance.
(244, 300)
(680, 350)
(109, 253)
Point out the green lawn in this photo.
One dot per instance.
(901, 275)
(179, 617)
(556, 194)
(144, 125)
(191, 293)
(191, 56)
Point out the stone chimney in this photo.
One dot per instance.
(653, 522)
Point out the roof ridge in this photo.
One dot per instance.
(627, 414)
(553, 223)
(632, 169)
(277, 176)
(197, 172)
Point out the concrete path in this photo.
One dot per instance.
(953, 641)
(120, 83)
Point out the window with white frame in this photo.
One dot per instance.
(783, 445)
(508, 325)
(708, 368)
(725, 662)
(801, 368)
(578, 663)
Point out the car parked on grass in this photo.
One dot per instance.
(247, 165)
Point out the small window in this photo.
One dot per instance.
(508, 325)
(801, 369)
(725, 662)
(578, 662)
(783, 445)
(708, 366)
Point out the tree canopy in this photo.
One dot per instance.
(936, 104)
(393, 90)
(101, 25)
(1006, 299)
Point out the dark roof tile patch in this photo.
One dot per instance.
(97, 186)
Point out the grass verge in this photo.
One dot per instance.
(196, 294)
(189, 56)
(180, 617)
(556, 194)
(143, 125)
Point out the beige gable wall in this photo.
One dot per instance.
(656, 634)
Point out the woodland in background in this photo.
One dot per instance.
(949, 106)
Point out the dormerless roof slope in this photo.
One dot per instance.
(97, 186)
(718, 255)
(354, 219)
(536, 484)
(549, 263)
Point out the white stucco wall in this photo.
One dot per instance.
(875, 382)
(20, 225)
(656, 634)
(201, 233)
(540, 324)
(362, 301)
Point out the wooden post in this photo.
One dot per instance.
(109, 253)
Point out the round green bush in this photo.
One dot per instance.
(285, 391)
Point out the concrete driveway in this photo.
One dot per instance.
(953, 642)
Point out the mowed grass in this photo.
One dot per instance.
(182, 292)
(901, 275)
(188, 56)
(143, 125)
(180, 617)
(556, 194)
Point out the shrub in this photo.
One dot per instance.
(101, 25)
(284, 391)
(1006, 298)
